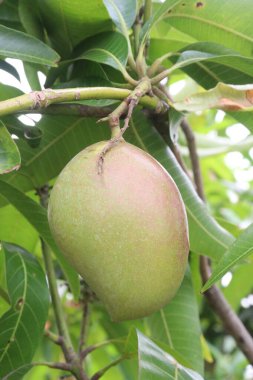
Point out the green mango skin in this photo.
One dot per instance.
(124, 231)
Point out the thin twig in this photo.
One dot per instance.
(96, 346)
(102, 371)
(57, 339)
(84, 324)
(216, 299)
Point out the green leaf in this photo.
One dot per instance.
(9, 13)
(10, 69)
(205, 22)
(15, 44)
(240, 285)
(223, 96)
(122, 13)
(68, 22)
(178, 325)
(9, 153)
(209, 51)
(62, 138)
(109, 48)
(156, 364)
(21, 327)
(37, 216)
(30, 18)
(240, 249)
(16, 229)
(163, 9)
(206, 235)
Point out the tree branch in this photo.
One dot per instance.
(194, 158)
(215, 298)
(42, 99)
(67, 346)
(84, 325)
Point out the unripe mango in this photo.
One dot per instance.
(124, 230)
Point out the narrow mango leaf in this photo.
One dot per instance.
(162, 10)
(206, 235)
(21, 327)
(223, 96)
(156, 364)
(240, 249)
(109, 48)
(37, 216)
(177, 325)
(15, 44)
(9, 154)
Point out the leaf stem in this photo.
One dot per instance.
(42, 99)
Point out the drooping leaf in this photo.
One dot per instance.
(21, 327)
(162, 10)
(240, 249)
(9, 153)
(37, 216)
(177, 325)
(156, 364)
(223, 96)
(206, 236)
(15, 44)
(109, 48)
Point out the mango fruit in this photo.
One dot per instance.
(123, 230)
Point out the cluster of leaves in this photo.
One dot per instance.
(88, 44)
